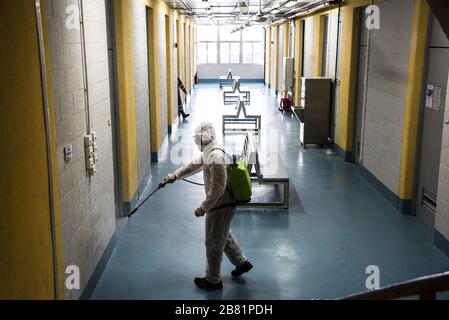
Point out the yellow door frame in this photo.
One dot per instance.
(299, 45)
(168, 54)
(268, 56)
(276, 58)
(414, 98)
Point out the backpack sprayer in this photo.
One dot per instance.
(239, 184)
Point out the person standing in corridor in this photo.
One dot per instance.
(182, 88)
(219, 237)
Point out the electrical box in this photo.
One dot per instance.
(68, 153)
(289, 72)
(91, 150)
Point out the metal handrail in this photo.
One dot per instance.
(425, 287)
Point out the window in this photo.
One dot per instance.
(207, 44)
(229, 47)
(253, 52)
(212, 52)
(247, 52)
(253, 41)
(202, 52)
(226, 34)
(224, 52)
(258, 53)
(253, 34)
(235, 52)
(207, 33)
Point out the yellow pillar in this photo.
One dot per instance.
(169, 58)
(268, 57)
(417, 63)
(345, 127)
(178, 49)
(126, 97)
(298, 60)
(285, 51)
(155, 78)
(276, 58)
(26, 255)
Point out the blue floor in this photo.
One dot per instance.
(337, 226)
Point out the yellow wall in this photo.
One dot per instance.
(192, 53)
(126, 97)
(348, 77)
(26, 260)
(178, 49)
(349, 42)
(126, 82)
(345, 126)
(154, 81)
(268, 57)
(285, 52)
(298, 60)
(275, 81)
(156, 25)
(169, 58)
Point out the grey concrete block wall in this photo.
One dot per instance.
(87, 204)
(442, 215)
(308, 47)
(142, 89)
(387, 85)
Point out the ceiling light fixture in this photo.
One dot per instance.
(291, 3)
(243, 7)
(260, 17)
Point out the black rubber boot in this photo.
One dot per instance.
(202, 283)
(244, 268)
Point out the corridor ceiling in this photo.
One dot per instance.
(236, 12)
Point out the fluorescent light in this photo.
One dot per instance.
(275, 11)
(291, 3)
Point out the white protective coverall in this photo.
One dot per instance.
(219, 237)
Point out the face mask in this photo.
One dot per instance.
(199, 143)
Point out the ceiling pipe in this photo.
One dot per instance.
(271, 9)
(312, 7)
(187, 7)
(306, 7)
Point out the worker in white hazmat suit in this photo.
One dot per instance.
(219, 237)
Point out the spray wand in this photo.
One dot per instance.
(161, 186)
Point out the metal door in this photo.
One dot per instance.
(432, 124)
(114, 108)
(361, 88)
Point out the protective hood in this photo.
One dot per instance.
(204, 135)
